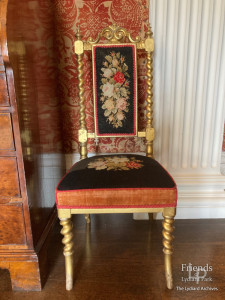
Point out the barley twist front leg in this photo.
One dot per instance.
(168, 248)
(68, 250)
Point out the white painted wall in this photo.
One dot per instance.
(189, 88)
(189, 100)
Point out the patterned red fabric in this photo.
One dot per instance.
(92, 16)
(48, 27)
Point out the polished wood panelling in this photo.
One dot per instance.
(6, 137)
(9, 183)
(12, 225)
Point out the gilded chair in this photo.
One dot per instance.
(117, 183)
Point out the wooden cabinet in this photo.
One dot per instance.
(11, 216)
(9, 183)
(6, 138)
(4, 97)
(25, 224)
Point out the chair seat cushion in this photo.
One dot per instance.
(116, 181)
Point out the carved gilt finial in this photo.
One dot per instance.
(149, 33)
(78, 33)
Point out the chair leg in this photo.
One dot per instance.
(150, 217)
(168, 248)
(87, 218)
(68, 250)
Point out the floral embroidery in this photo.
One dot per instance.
(115, 89)
(116, 163)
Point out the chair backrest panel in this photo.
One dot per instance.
(115, 89)
(114, 63)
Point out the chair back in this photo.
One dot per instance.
(114, 68)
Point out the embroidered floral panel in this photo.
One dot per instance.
(116, 163)
(116, 171)
(115, 90)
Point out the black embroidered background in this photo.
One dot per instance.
(151, 175)
(105, 127)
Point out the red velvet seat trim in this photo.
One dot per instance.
(117, 198)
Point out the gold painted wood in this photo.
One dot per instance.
(168, 248)
(141, 134)
(140, 45)
(82, 135)
(64, 213)
(149, 115)
(114, 210)
(91, 135)
(150, 217)
(87, 46)
(68, 250)
(87, 218)
(113, 34)
(150, 134)
(79, 47)
(149, 44)
(83, 129)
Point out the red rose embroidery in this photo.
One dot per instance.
(133, 165)
(119, 77)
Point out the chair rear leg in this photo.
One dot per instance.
(168, 248)
(150, 217)
(68, 250)
(88, 218)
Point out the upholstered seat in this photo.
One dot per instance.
(116, 181)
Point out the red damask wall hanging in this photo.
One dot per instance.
(47, 29)
(92, 16)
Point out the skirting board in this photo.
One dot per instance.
(196, 206)
(198, 197)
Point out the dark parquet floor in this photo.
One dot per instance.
(120, 258)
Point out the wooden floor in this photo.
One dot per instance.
(120, 258)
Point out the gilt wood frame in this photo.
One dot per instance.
(116, 35)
